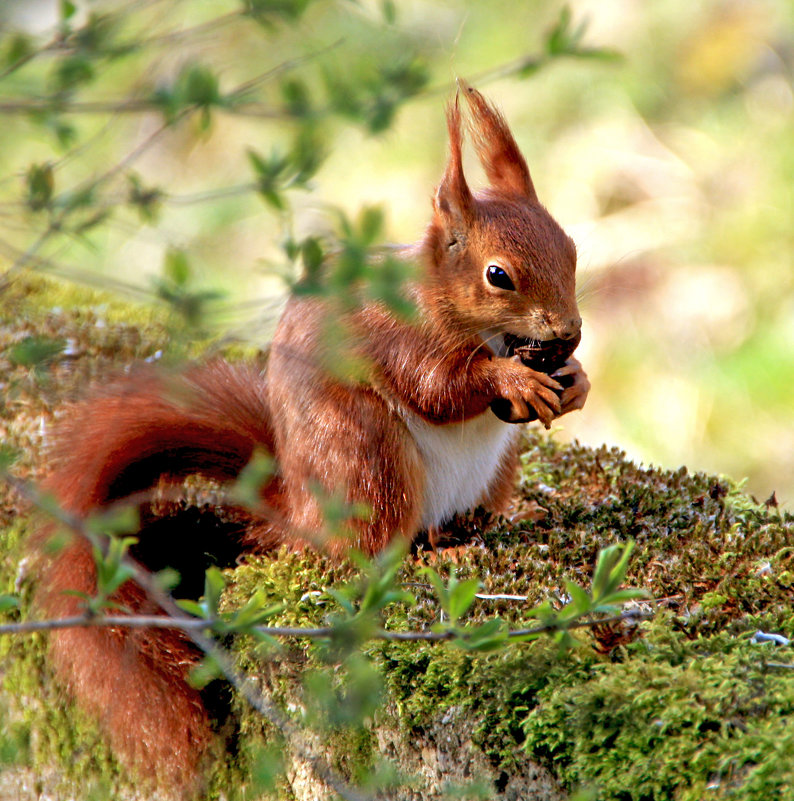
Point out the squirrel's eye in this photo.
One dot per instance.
(498, 277)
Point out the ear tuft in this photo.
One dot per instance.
(454, 202)
(504, 165)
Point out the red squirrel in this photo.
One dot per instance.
(415, 442)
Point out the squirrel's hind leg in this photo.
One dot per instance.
(362, 455)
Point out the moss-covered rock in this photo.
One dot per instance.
(683, 706)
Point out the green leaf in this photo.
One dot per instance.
(214, 585)
(68, 10)
(370, 224)
(192, 608)
(19, 49)
(558, 39)
(455, 597)
(145, 199)
(65, 133)
(116, 521)
(92, 221)
(74, 71)
(35, 352)
(543, 614)
(8, 602)
(342, 597)
(580, 599)
(306, 155)
(488, 637)
(247, 489)
(618, 572)
(258, 162)
(615, 600)
(381, 588)
(438, 585)
(176, 267)
(194, 86)
(273, 198)
(461, 597)
(40, 186)
(167, 579)
(312, 256)
(266, 769)
(343, 696)
(380, 113)
(265, 11)
(269, 176)
(111, 570)
(290, 247)
(389, 10)
(387, 279)
(296, 97)
(204, 672)
(610, 569)
(343, 97)
(83, 198)
(256, 611)
(629, 594)
(199, 86)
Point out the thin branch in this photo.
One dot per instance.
(210, 26)
(24, 258)
(234, 102)
(284, 66)
(142, 106)
(209, 195)
(61, 41)
(57, 220)
(265, 706)
(71, 273)
(193, 624)
(53, 44)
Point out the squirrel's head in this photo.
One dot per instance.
(498, 259)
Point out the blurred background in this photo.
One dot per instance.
(660, 135)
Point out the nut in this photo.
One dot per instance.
(545, 357)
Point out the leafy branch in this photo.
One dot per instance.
(239, 625)
(52, 98)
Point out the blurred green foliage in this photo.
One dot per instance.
(219, 132)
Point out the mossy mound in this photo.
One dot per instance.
(663, 710)
(682, 707)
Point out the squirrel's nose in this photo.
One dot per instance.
(569, 330)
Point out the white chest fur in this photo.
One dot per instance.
(461, 462)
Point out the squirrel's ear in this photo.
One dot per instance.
(453, 202)
(504, 165)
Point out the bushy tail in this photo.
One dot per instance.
(142, 433)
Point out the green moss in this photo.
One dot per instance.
(57, 734)
(38, 299)
(669, 721)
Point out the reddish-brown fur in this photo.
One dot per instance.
(430, 384)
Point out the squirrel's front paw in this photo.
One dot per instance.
(576, 383)
(526, 394)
